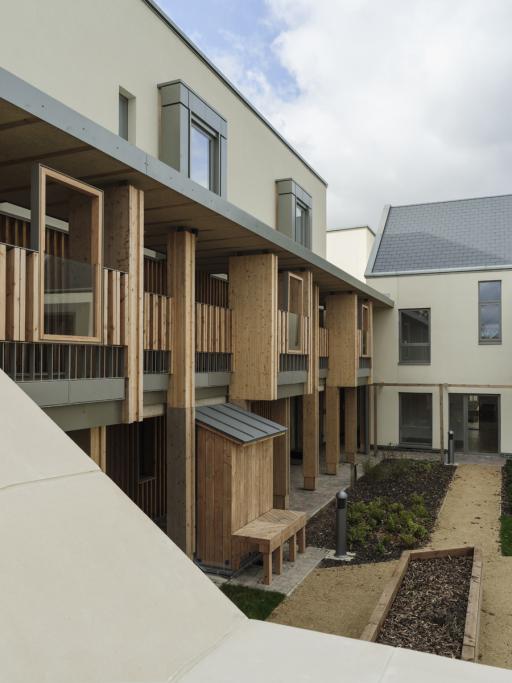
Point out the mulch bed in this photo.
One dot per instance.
(394, 480)
(429, 611)
(506, 488)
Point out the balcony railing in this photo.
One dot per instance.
(213, 329)
(323, 350)
(29, 362)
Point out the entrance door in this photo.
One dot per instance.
(474, 419)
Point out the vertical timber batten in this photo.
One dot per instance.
(181, 256)
(310, 406)
(124, 251)
(280, 413)
(341, 321)
(350, 418)
(332, 429)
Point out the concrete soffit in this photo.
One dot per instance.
(29, 99)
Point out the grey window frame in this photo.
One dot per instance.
(290, 195)
(401, 343)
(490, 342)
(420, 444)
(214, 160)
(181, 110)
(124, 116)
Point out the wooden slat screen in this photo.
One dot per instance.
(283, 345)
(158, 317)
(213, 329)
(155, 276)
(212, 290)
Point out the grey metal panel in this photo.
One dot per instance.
(211, 392)
(223, 190)
(465, 234)
(152, 398)
(289, 390)
(174, 92)
(95, 390)
(363, 372)
(236, 423)
(292, 377)
(51, 393)
(84, 416)
(322, 373)
(30, 99)
(286, 214)
(155, 382)
(174, 138)
(212, 379)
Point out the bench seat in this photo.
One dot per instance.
(269, 533)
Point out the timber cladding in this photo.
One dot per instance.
(234, 487)
(253, 300)
(341, 322)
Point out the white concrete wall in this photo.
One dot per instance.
(81, 53)
(456, 356)
(350, 249)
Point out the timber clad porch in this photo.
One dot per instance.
(133, 301)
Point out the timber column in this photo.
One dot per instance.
(181, 257)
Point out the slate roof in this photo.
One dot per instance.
(237, 424)
(455, 235)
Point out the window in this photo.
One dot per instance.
(415, 417)
(202, 154)
(294, 206)
(193, 137)
(295, 310)
(415, 336)
(489, 312)
(123, 117)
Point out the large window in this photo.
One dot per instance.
(72, 255)
(415, 336)
(489, 312)
(202, 156)
(416, 420)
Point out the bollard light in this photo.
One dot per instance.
(451, 448)
(341, 523)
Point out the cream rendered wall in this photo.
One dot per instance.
(349, 249)
(456, 355)
(81, 53)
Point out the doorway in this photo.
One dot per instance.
(475, 421)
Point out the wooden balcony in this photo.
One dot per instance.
(158, 321)
(213, 329)
(293, 333)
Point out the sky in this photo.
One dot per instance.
(392, 102)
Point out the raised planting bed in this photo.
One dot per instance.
(432, 603)
(392, 508)
(506, 509)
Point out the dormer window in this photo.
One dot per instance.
(294, 209)
(193, 137)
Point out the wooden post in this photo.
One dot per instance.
(350, 416)
(375, 436)
(124, 251)
(332, 429)
(310, 405)
(280, 412)
(441, 422)
(98, 446)
(181, 255)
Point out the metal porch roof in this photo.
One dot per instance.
(237, 424)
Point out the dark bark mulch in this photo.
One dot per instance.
(506, 488)
(429, 611)
(394, 480)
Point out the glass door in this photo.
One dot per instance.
(474, 419)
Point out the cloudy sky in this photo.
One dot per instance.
(395, 101)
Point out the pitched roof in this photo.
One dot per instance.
(237, 424)
(465, 234)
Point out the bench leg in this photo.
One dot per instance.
(302, 539)
(278, 560)
(267, 568)
(292, 548)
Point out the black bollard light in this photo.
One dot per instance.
(451, 448)
(341, 523)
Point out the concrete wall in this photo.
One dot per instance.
(456, 355)
(83, 53)
(350, 248)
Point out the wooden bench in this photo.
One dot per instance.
(269, 533)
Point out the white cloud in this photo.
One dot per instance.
(399, 101)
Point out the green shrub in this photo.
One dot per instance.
(506, 535)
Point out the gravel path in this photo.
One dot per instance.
(341, 600)
(470, 516)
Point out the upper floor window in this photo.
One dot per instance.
(126, 129)
(193, 137)
(489, 312)
(294, 211)
(415, 336)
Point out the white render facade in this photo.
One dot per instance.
(460, 378)
(136, 50)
